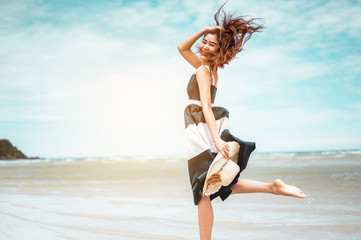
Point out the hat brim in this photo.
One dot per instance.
(229, 169)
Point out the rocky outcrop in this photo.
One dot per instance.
(8, 151)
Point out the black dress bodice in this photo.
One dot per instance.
(193, 90)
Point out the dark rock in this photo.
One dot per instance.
(8, 151)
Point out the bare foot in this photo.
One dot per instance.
(280, 188)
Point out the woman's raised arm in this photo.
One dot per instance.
(185, 48)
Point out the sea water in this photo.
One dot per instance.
(151, 198)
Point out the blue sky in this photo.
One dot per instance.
(104, 78)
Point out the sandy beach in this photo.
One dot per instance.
(150, 198)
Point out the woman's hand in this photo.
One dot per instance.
(222, 147)
(213, 28)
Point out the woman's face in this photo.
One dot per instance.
(210, 43)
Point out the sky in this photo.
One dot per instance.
(105, 78)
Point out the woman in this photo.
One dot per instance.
(206, 125)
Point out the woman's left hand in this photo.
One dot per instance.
(222, 147)
(213, 28)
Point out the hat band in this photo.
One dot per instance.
(220, 170)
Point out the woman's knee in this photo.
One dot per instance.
(205, 198)
(236, 186)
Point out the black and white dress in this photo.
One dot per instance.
(201, 149)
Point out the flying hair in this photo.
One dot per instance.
(235, 32)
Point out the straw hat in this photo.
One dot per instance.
(222, 171)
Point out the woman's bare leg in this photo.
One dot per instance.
(205, 218)
(277, 187)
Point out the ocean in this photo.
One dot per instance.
(150, 198)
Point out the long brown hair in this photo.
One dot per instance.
(235, 33)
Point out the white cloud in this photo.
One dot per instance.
(302, 20)
(299, 129)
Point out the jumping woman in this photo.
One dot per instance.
(206, 125)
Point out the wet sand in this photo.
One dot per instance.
(126, 198)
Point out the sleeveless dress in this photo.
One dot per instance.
(201, 149)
